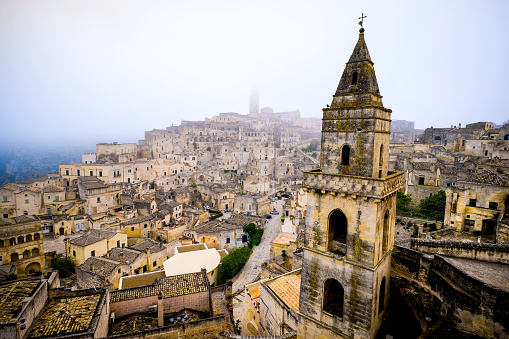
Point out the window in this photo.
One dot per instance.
(6, 215)
(78, 171)
(385, 237)
(355, 75)
(26, 201)
(224, 197)
(421, 180)
(5, 199)
(244, 238)
(493, 205)
(381, 297)
(132, 229)
(345, 155)
(98, 199)
(91, 173)
(66, 172)
(145, 226)
(337, 229)
(100, 173)
(56, 198)
(154, 264)
(82, 225)
(25, 212)
(92, 254)
(333, 297)
(118, 243)
(73, 253)
(227, 240)
(472, 202)
(144, 268)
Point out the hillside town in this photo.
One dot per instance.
(332, 213)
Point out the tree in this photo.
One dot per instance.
(434, 206)
(64, 265)
(255, 234)
(234, 262)
(402, 201)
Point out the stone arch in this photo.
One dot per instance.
(21, 239)
(337, 232)
(333, 297)
(35, 252)
(26, 254)
(385, 232)
(345, 155)
(14, 257)
(29, 238)
(381, 297)
(37, 236)
(32, 268)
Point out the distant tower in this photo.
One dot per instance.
(254, 102)
(351, 212)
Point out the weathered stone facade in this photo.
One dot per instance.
(351, 212)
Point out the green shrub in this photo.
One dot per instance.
(64, 265)
(234, 261)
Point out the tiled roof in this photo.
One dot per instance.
(147, 244)
(234, 222)
(169, 287)
(66, 316)
(12, 295)
(92, 237)
(137, 220)
(117, 253)
(49, 189)
(287, 288)
(24, 218)
(102, 266)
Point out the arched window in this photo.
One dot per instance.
(381, 296)
(14, 257)
(26, 254)
(37, 236)
(29, 238)
(12, 241)
(345, 155)
(35, 252)
(333, 297)
(385, 235)
(355, 75)
(21, 239)
(1, 243)
(338, 227)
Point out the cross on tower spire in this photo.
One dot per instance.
(362, 19)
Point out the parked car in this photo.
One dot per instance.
(268, 216)
(274, 212)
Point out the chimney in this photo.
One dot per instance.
(459, 125)
(160, 310)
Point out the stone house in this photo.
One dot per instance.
(252, 204)
(21, 245)
(99, 197)
(28, 201)
(139, 227)
(95, 243)
(8, 201)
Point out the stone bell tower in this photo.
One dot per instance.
(351, 212)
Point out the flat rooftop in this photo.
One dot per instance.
(284, 238)
(488, 272)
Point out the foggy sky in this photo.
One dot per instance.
(77, 72)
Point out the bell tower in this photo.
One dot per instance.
(351, 211)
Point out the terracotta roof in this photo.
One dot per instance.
(287, 288)
(12, 295)
(116, 254)
(49, 189)
(147, 244)
(92, 237)
(169, 287)
(66, 316)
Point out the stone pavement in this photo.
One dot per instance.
(260, 253)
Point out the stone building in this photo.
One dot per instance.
(95, 243)
(351, 212)
(21, 245)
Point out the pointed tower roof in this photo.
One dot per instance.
(360, 52)
(359, 75)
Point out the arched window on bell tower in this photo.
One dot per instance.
(338, 227)
(355, 75)
(385, 235)
(333, 297)
(345, 155)
(381, 296)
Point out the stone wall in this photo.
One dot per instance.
(205, 328)
(459, 249)
(290, 335)
(433, 287)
